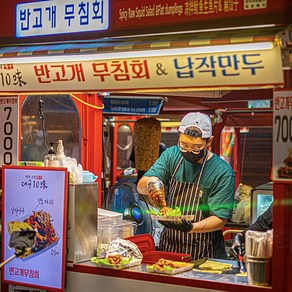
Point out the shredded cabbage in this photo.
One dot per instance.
(173, 212)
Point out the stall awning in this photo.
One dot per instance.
(109, 45)
(197, 61)
(250, 119)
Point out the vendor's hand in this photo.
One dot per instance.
(155, 188)
(238, 245)
(183, 225)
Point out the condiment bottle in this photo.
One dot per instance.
(60, 152)
(51, 159)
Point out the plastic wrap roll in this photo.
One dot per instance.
(147, 135)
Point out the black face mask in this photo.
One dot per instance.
(192, 157)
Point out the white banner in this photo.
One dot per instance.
(282, 136)
(8, 130)
(60, 16)
(202, 71)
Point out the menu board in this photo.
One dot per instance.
(35, 198)
(9, 129)
(282, 135)
(132, 106)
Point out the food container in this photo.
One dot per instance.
(184, 268)
(127, 228)
(146, 245)
(259, 271)
(133, 263)
(88, 177)
(151, 257)
(108, 231)
(108, 216)
(259, 246)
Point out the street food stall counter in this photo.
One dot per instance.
(85, 276)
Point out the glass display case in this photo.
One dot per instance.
(261, 198)
(46, 119)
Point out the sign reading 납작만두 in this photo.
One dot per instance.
(204, 71)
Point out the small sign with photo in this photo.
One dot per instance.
(282, 135)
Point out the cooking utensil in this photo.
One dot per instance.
(199, 261)
(241, 264)
(20, 241)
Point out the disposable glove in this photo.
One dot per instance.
(183, 225)
(238, 245)
(156, 192)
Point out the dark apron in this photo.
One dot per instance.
(187, 197)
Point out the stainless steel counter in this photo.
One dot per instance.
(225, 277)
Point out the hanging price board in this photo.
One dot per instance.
(8, 130)
(133, 106)
(282, 135)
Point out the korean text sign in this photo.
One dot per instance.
(205, 70)
(35, 198)
(282, 135)
(55, 17)
(142, 12)
(9, 129)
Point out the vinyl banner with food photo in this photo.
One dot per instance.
(282, 135)
(34, 216)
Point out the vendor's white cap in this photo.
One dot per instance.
(198, 120)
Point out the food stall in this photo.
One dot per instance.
(89, 68)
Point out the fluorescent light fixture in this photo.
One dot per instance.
(140, 54)
(203, 30)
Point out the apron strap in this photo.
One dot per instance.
(201, 172)
(177, 167)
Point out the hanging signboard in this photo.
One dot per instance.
(94, 18)
(157, 12)
(132, 106)
(35, 199)
(201, 71)
(8, 130)
(55, 17)
(282, 135)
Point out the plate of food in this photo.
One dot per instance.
(169, 214)
(121, 254)
(163, 266)
(46, 235)
(214, 267)
(116, 262)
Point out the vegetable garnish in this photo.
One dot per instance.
(166, 211)
(106, 261)
(164, 264)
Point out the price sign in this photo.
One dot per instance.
(8, 130)
(282, 135)
(132, 106)
(35, 198)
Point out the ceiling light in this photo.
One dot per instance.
(140, 54)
